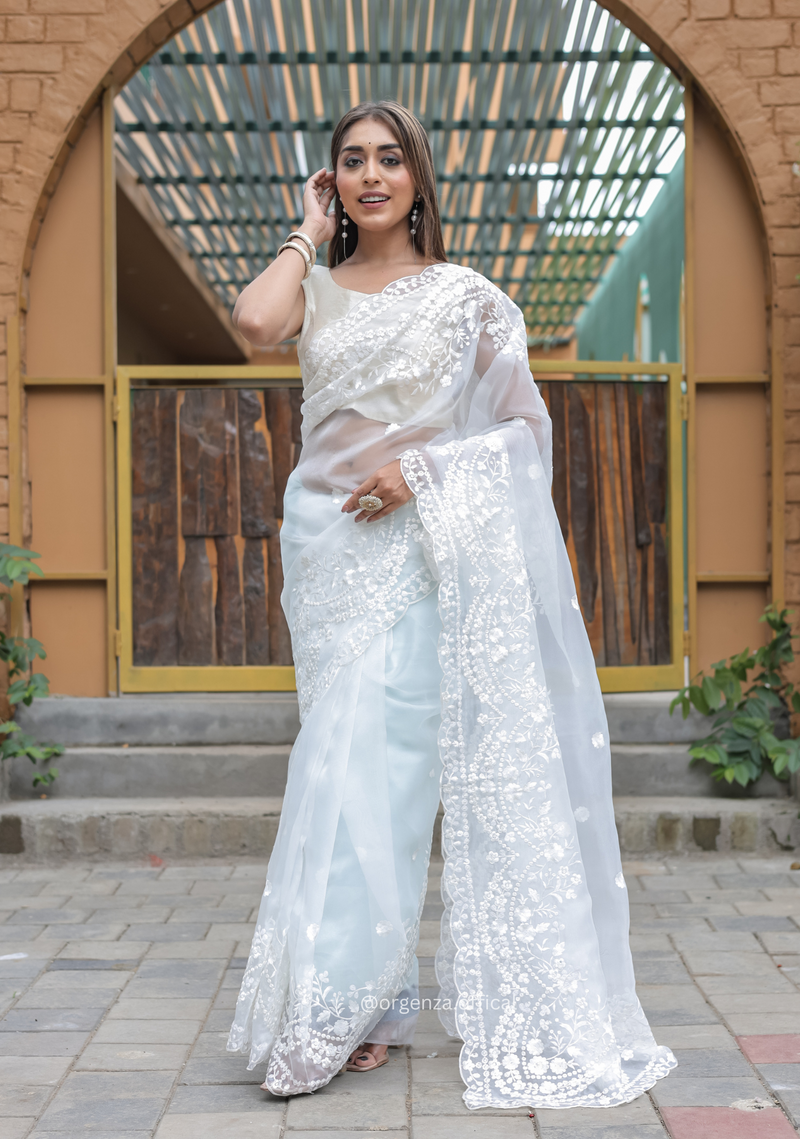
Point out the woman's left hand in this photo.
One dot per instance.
(390, 487)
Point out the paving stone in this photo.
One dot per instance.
(346, 1109)
(731, 896)
(198, 873)
(713, 942)
(51, 1020)
(82, 980)
(788, 942)
(220, 930)
(737, 964)
(446, 1099)
(228, 914)
(783, 908)
(142, 915)
(730, 983)
(180, 931)
(89, 931)
(783, 1049)
(442, 1070)
(784, 1079)
(89, 888)
(675, 1004)
(225, 1125)
(225, 1069)
(210, 1099)
(761, 1024)
(219, 949)
(147, 1031)
(706, 1092)
(757, 1002)
(426, 1043)
(153, 888)
(693, 909)
(696, 1063)
(210, 1044)
(661, 972)
(65, 998)
(727, 1123)
(42, 875)
(637, 1113)
(754, 923)
(89, 1101)
(174, 1009)
(218, 1020)
(19, 931)
(610, 1131)
(33, 1070)
(476, 1127)
(23, 1099)
(100, 1057)
(17, 1128)
(26, 968)
(50, 915)
(42, 1043)
(98, 950)
(93, 1135)
(157, 988)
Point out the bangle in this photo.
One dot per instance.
(301, 249)
(312, 249)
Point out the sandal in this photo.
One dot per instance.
(351, 1066)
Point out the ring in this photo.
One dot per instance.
(371, 503)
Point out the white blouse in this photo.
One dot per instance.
(326, 302)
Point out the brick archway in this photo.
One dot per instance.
(54, 66)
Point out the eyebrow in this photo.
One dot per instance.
(383, 146)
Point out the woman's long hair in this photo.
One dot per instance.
(411, 136)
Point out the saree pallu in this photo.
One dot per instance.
(534, 967)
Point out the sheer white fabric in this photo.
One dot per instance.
(535, 969)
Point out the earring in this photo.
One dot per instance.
(414, 229)
(345, 223)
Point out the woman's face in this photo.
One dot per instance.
(372, 178)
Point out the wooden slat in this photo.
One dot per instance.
(558, 415)
(229, 606)
(256, 483)
(154, 525)
(209, 486)
(582, 500)
(255, 603)
(195, 624)
(279, 422)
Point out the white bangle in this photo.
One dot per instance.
(312, 249)
(301, 249)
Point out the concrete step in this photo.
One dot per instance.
(271, 718)
(258, 770)
(61, 829)
(665, 769)
(225, 770)
(170, 718)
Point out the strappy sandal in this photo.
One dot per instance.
(353, 1067)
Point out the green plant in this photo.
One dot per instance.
(19, 654)
(751, 727)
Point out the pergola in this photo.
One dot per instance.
(552, 129)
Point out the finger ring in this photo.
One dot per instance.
(371, 503)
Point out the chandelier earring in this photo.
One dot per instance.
(345, 223)
(414, 229)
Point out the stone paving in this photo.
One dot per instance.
(117, 983)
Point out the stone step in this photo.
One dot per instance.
(170, 718)
(61, 829)
(666, 769)
(259, 770)
(224, 770)
(188, 719)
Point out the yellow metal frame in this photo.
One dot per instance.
(181, 678)
(279, 678)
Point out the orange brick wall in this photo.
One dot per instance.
(56, 56)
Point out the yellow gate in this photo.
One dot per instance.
(203, 456)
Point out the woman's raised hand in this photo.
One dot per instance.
(390, 487)
(317, 198)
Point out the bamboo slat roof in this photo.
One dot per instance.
(552, 128)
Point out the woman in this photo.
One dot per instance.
(429, 594)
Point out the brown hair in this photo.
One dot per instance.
(411, 136)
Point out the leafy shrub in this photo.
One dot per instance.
(751, 716)
(24, 685)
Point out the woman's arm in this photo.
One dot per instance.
(271, 308)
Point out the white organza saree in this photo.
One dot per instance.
(454, 619)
